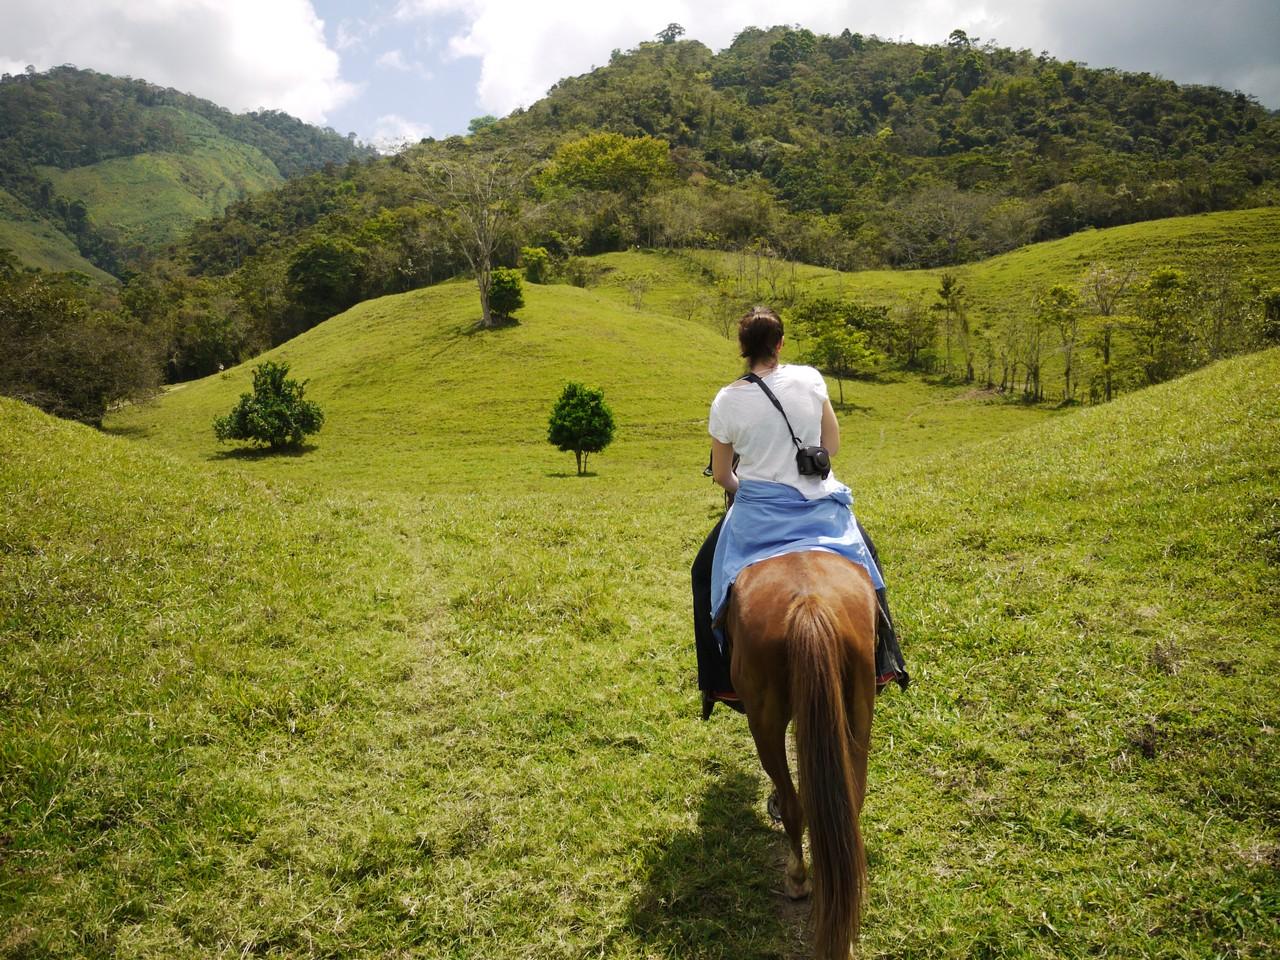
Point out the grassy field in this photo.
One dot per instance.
(1007, 283)
(420, 691)
(995, 291)
(412, 391)
(152, 198)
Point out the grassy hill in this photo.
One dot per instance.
(121, 167)
(997, 292)
(401, 371)
(39, 243)
(1007, 284)
(411, 389)
(153, 198)
(419, 689)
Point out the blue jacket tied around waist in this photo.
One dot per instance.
(771, 519)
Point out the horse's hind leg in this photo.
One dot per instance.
(770, 733)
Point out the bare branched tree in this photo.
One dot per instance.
(1102, 286)
(483, 198)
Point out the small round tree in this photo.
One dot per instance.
(275, 415)
(506, 294)
(537, 264)
(582, 422)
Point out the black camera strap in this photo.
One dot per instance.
(753, 378)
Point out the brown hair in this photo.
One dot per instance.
(759, 333)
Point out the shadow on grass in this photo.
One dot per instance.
(129, 432)
(849, 406)
(263, 453)
(715, 890)
(571, 473)
(465, 331)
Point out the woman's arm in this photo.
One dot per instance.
(830, 429)
(722, 465)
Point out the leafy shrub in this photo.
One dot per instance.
(537, 264)
(506, 294)
(580, 421)
(60, 353)
(275, 414)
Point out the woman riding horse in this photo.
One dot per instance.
(745, 424)
(798, 636)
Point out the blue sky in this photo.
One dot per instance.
(410, 81)
(395, 70)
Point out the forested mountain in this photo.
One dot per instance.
(853, 151)
(928, 155)
(846, 152)
(121, 166)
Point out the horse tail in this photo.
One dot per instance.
(828, 789)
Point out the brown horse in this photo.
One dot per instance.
(802, 628)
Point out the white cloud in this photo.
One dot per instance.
(393, 60)
(354, 34)
(392, 133)
(525, 47)
(242, 54)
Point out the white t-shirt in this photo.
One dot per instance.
(742, 416)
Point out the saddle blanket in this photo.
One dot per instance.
(771, 519)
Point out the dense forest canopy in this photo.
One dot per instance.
(990, 147)
(852, 151)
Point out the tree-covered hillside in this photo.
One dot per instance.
(852, 151)
(931, 155)
(845, 152)
(83, 150)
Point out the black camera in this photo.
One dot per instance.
(813, 462)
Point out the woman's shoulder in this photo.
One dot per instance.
(726, 395)
(800, 371)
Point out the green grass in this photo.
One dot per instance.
(419, 691)
(411, 391)
(1008, 283)
(37, 243)
(153, 198)
(995, 290)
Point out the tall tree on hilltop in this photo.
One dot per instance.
(1162, 305)
(483, 198)
(955, 321)
(671, 33)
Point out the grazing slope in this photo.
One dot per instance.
(153, 198)
(452, 714)
(1007, 284)
(38, 243)
(121, 167)
(412, 390)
